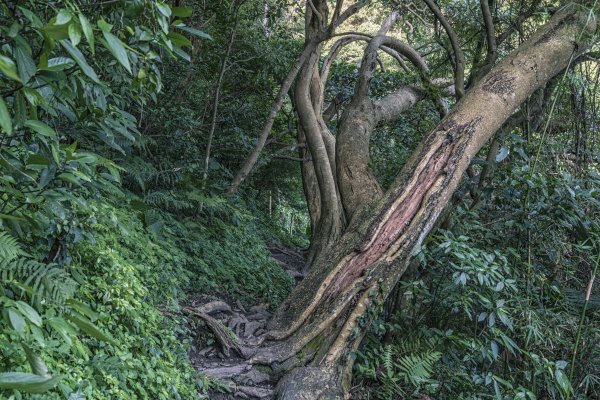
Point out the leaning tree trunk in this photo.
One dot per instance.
(317, 328)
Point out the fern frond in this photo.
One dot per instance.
(388, 363)
(168, 201)
(9, 249)
(42, 281)
(418, 367)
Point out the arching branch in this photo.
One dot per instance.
(252, 158)
(344, 41)
(369, 61)
(350, 11)
(323, 34)
(459, 57)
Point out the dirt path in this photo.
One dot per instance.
(226, 358)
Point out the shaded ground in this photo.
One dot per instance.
(229, 332)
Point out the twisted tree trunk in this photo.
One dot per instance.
(363, 238)
(317, 328)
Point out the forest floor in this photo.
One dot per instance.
(228, 333)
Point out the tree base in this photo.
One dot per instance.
(310, 383)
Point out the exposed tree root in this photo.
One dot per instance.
(227, 341)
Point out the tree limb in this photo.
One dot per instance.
(459, 57)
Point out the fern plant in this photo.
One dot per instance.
(37, 304)
(400, 369)
(43, 282)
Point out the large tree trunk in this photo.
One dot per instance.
(317, 328)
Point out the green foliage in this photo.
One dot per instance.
(501, 295)
(70, 71)
(69, 322)
(397, 370)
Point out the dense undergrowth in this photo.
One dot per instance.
(500, 305)
(130, 275)
(96, 255)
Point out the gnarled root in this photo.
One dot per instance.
(227, 341)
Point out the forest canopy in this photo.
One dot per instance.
(314, 199)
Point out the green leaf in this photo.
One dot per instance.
(495, 349)
(195, 32)
(25, 64)
(20, 109)
(563, 381)
(38, 366)
(74, 34)
(40, 127)
(37, 159)
(9, 68)
(14, 29)
(163, 22)
(36, 22)
(63, 328)
(29, 383)
(116, 47)
(104, 26)
(33, 96)
(45, 177)
(87, 31)
(69, 178)
(63, 17)
(55, 154)
(182, 54)
(164, 9)
(182, 12)
(179, 40)
(59, 64)
(16, 320)
(5, 119)
(49, 44)
(56, 32)
(30, 313)
(88, 327)
(11, 217)
(80, 60)
(83, 308)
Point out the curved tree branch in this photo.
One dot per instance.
(459, 56)
(310, 47)
(252, 158)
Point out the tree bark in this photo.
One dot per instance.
(315, 331)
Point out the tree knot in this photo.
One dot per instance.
(500, 83)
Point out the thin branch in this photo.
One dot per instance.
(350, 11)
(290, 158)
(516, 25)
(369, 61)
(490, 31)
(252, 158)
(217, 95)
(338, 9)
(459, 57)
